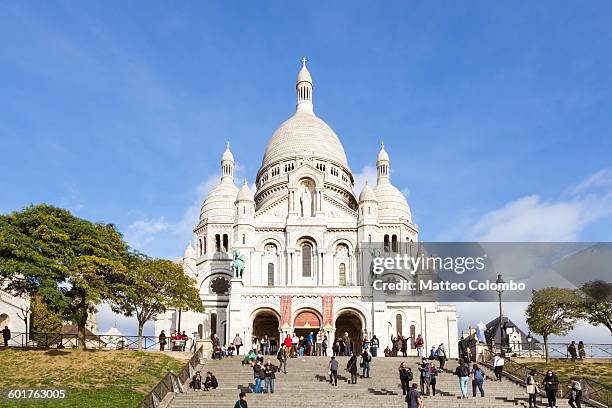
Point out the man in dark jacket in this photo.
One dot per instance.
(258, 375)
(351, 367)
(6, 335)
(333, 371)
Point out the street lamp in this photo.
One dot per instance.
(500, 289)
(529, 340)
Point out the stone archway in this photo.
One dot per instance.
(266, 323)
(349, 321)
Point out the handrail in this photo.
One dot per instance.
(93, 341)
(593, 392)
(172, 382)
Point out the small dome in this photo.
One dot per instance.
(227, 154)
(245, 193)
(392, 205)
(189, 252)
(367, 194)
(304, 74)
(382, 155)
(219, 204)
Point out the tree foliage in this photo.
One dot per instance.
(151, 287)
(46, 325)
(596, 303)
(70, 263)
(553, 311)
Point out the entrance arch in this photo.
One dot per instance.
(306, 321)
(266, 323)
(350, 321)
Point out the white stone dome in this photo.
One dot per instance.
(367, 194)
(392, 204)
(219, 205)
(304, 134)
(245, 193)
(304, 75)
(190, 252)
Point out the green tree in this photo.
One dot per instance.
(596, 303)
(46, 325)
(71, 263)
(552, 311)
(152, 286)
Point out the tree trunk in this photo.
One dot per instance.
(140, 325)
(81, 322)
(546, 347)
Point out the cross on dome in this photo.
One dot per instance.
(304, 61)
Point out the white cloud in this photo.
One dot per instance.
(142, 232)
(368, 173)
(532, 219)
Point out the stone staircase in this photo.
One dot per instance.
(306, 384)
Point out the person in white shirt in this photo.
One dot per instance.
(295, 340)
(498, 366)
(319, 350)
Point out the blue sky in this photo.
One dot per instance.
(497, 117)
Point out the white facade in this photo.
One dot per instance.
(302, 237)
(12, 312)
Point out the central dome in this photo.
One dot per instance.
(304, 134)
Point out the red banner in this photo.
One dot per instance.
(285, 312)
(328, 312)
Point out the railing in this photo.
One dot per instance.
(555, 350)
(55, 340)
(171, 383)
(593, 392)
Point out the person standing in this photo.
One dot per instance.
(405, 375)
(295, 341)
(310, 345)
(375, 344)
(365, 362)
(478, 377)
(324, 346)
(441, 353)
(333, 371)
(571, 349)
(498, 366)
(414, 398)
(265, 345)
(162, 340)
(531, 388)
(258, 374)
(242, 402)
(419, 344)
(237, 342)
(581, 352)
(463, 372)
(424, 377)
(351, 367)
(433, 373)
(404, 346)
(282, 359)
(319, 344)
(270, 376)
(347, 344)
(575, 393)
(551, 387)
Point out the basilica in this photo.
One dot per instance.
(302, 237)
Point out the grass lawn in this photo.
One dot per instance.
(96, 378)
(599, 370)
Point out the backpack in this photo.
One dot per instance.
(410, 376)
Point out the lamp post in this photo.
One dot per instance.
(529, 340)
(499, 283)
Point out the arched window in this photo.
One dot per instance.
(386, 247)
(217, 243)
(203, 245)
(306, 261)
(201, 330)
(342, 274)
(225, 243)
(398, 323)
(270, 274)
(243, 239)
(394, 243)
(213, 323)
(412, 336)
(200, 247)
